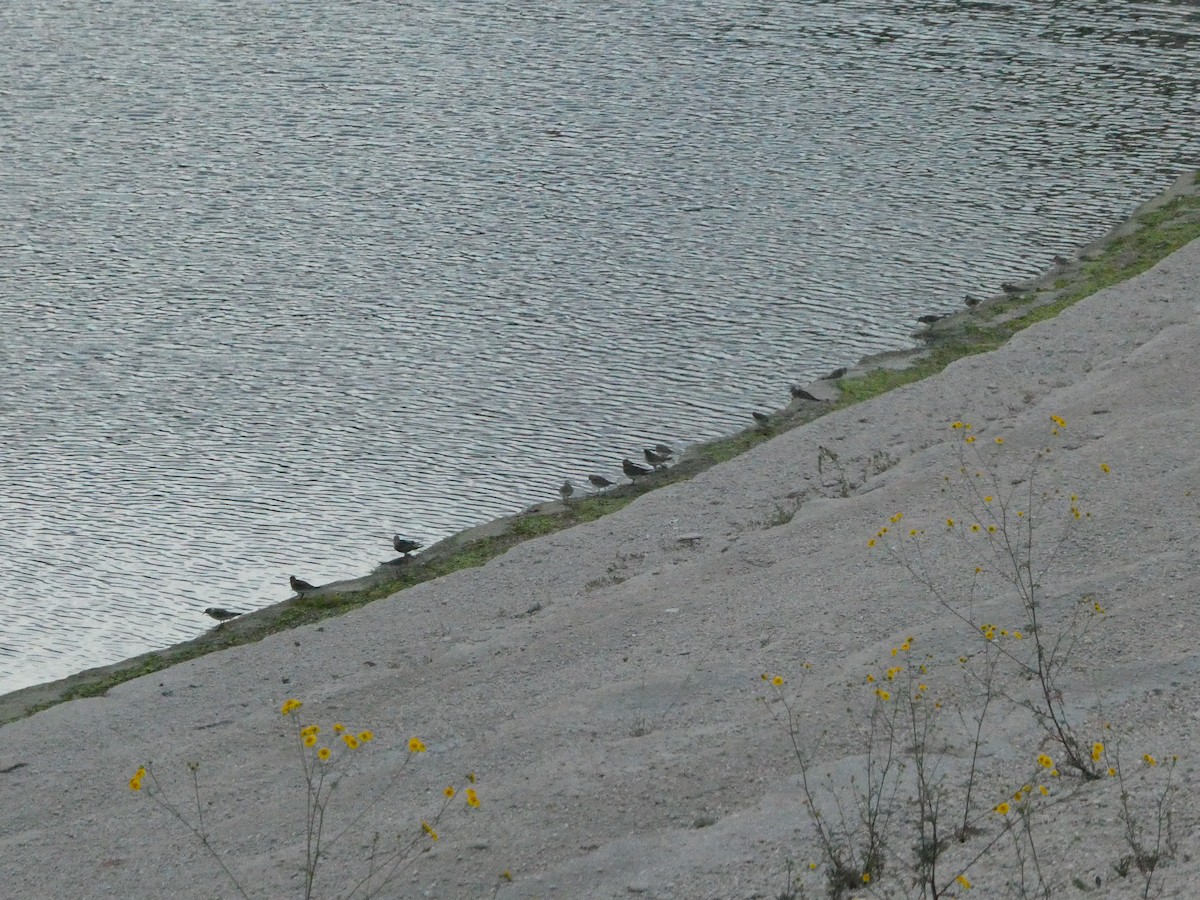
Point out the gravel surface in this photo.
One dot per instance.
(604, 683)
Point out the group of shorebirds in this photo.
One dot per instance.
(402, 545)
(659, 456)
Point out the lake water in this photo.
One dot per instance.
(280, 279)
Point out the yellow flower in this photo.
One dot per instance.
(472, 798)
(449, 791)
(1112, 772)
(949, 523)
(979, 570)
(1002, 808)
(870, 679)
(892, 672)
(323, 754)
(506, 875)
(777, 681)
(1018, 635)
(866, 877)
(812, 866)
(415, 745)
(309, 730)
(962, 659)
(970, 439)
(999, 440)
(896, 518)
(1059, 421)
(1149, 760)
(957, 425)
(990, 634)
(135, 783)
(428, 829)
(883, 531)
(338, 728)
(871, 542)
(309, 740)
(1045, 790)
(366, 736)
(471, 777)
(906, 646)
(1097, 750)
(1104, 468)
(1045, 762)
(351, 741)
(1098, 608)
(991, 529)
(883, 695)
(975, 527)
(290, 705)
(922, 688)
(962, 879)
(987, 499)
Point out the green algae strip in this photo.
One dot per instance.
(1154, 231)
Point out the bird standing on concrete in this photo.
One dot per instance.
(655, 458)
(799, 393)
(221, 615)
(599, 481)
(300, 586)
(633, 470)
(404, 545)
(566, 491)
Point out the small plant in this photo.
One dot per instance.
(912, 813)
(321, 760)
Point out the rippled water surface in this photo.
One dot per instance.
(280, 279)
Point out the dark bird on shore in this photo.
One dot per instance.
(799, 393)
(835, 374)
(600, 481)
(300, 586)
(633, 470)
(404, 545)
(655, 458)
(930, 319)
(221, 615)
(566, 491)
(664, 450)
(762, 419)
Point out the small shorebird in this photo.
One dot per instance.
(404, 545)
(762, 419)
(633, 470)
(600, 481)
(655, 458)
(566, 490)
(799, 393)
(664, 450)
(221, 615)
(300, 586)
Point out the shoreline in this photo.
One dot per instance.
(1152, 231)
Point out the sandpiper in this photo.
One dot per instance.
(300, 586)
(404, 545)
(633, 470)
(762, 419)
(599, 481)
(221, 615)
(799, 393)
(655, 458)
(566, 490)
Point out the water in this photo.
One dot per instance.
(279, 280)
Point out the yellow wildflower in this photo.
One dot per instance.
(949, 523)
(135, 783)
(1097, 750)
(975, 527)
(1149, 760)
(351, 741)
(415, 745)
(1112, 772)
(1045, 762)
(883, 695)
(906, 646)
(871, 542)
(471, 777)
(1045, 790)
(1002, 808)
(987, 499)
(309, 740)
(449, 791)
(970, 439)
(290, 705)
(957, 425)
(962, 879)
(1104, 468)
(428, 829)
(866, 877)
(999, 440)
(1059, 421)
(366, 736)
(472, 798)
(870, 679)
(323, 754)
(1018, 635)
(338, 728)
(777, 681)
